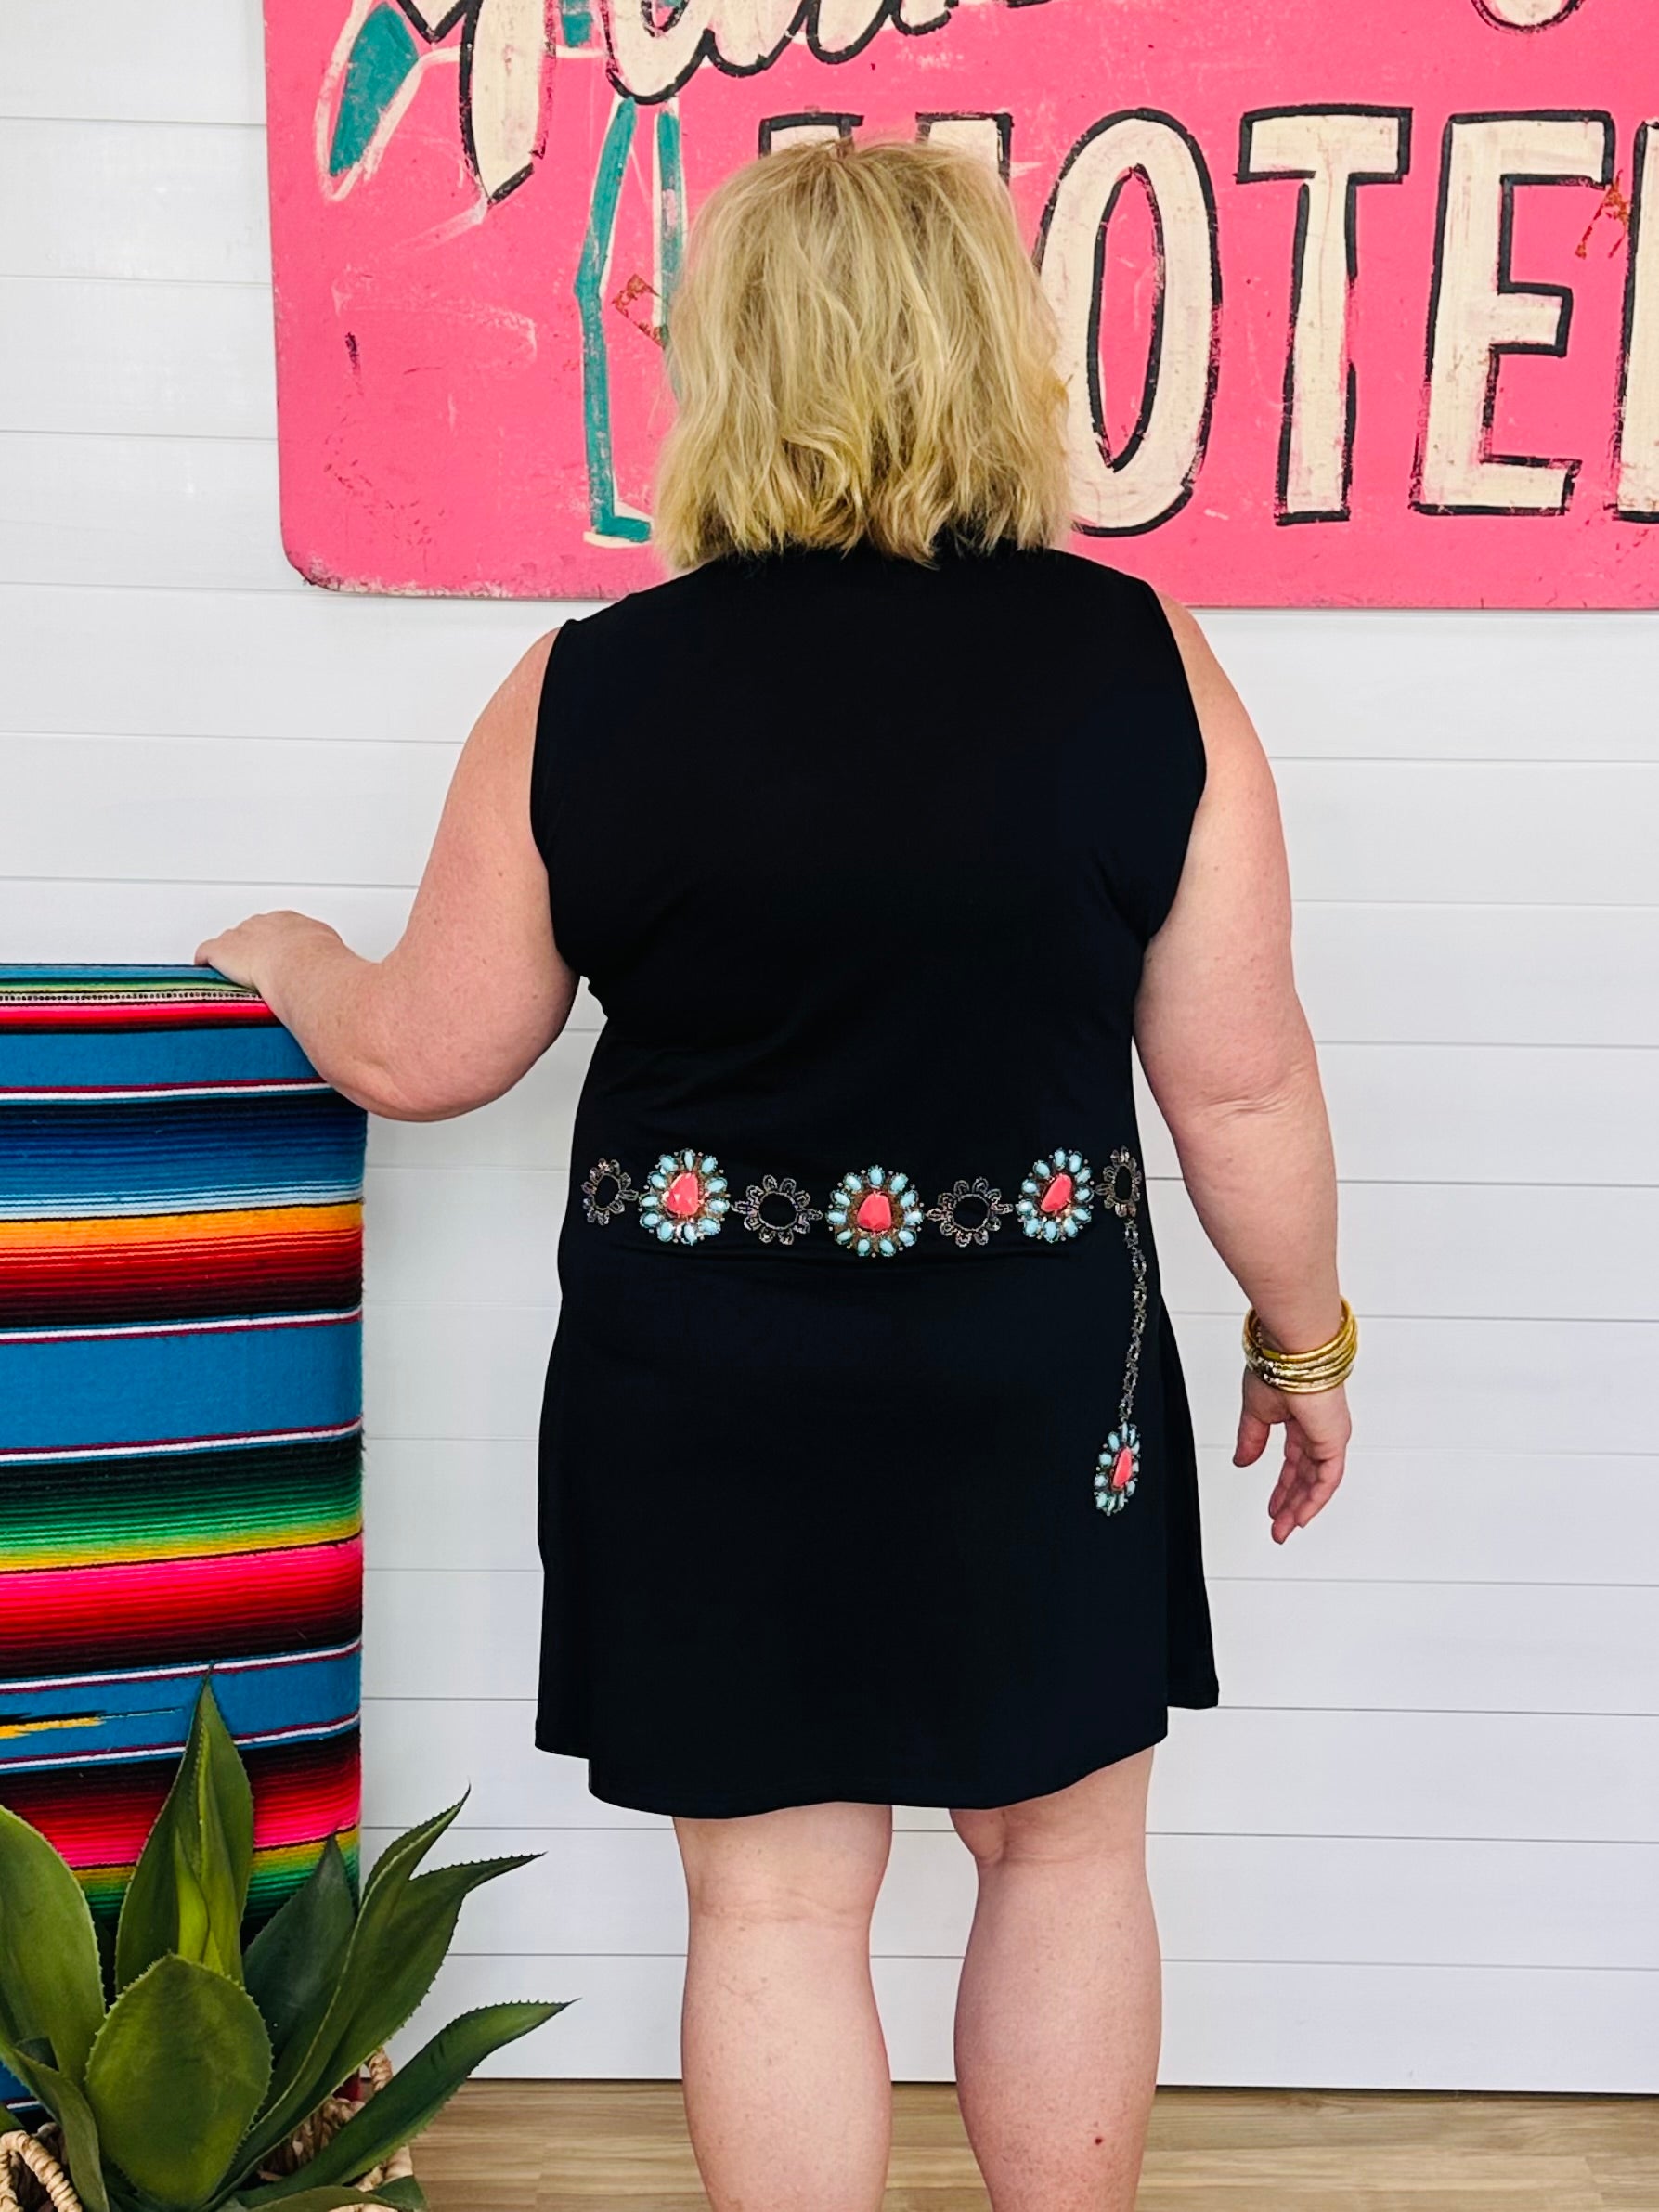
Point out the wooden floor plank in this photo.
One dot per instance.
(1629, 2181)
(1265, 2120)
(570, 2146)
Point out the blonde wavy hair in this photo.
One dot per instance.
(860, 348)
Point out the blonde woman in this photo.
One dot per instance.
(880, 830)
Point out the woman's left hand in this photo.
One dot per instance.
(252, 952)
(1318, 1426)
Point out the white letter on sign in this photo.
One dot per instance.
(1477, 314)
(651, 62)
(1525, 15)
(1136, 489)
(1334, 151)
(1638, 495)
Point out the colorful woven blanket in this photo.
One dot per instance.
(180, 1412)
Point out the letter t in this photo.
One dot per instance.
(1334, 151)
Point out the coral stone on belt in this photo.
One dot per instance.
(683, 1197)
(1117, 1471)
(1054, 1201)
(686, 1197)
(1057, 1196)
(875, 1215)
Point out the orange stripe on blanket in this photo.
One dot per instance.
(143, 1231)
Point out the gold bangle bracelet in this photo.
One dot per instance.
(1322, 1368)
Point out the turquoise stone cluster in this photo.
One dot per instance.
(1053, 1201)
(874, 1214)
(1118, 1469)
(684, 1199)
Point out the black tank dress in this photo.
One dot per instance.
(866, 1464)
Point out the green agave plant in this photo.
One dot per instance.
(172, 2096)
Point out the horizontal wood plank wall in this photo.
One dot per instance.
(1419, 1844)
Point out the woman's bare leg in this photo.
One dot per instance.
(1059, 2013)
(787, 2090)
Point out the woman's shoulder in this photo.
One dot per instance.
(1145, 630)
(670, 599)
(644, 605)
(1102, 580)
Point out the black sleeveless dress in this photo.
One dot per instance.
(866, 1464)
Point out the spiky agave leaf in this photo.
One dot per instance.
(175, 2076)
(51, 1988)
(404, 2195)
(66, 2102)
(292, 1966)
(189, 1889)
(302, 2078)
(411, 2100)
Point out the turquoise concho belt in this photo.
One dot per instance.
(878, 1213)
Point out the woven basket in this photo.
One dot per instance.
(31, 2179)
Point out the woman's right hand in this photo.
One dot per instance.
(1318, 1426)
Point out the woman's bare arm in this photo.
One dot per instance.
(1229, 1058)
(474, 991)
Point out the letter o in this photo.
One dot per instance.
(1525, 15)
(1153, 475)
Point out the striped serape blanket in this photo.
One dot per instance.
(180, 1413)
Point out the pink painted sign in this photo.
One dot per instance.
(1359, 299)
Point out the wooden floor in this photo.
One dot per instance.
(545, 2146)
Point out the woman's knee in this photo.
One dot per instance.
(820, 1863)
(1102, 1816)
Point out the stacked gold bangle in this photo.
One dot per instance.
(1321, 1369)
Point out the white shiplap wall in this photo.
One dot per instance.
(1419, 1845)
